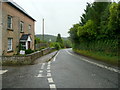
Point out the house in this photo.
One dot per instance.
(17, 29)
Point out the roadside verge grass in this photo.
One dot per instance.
(101, 56)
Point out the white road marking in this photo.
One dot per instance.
(42, 67)
(52, 86)
(39, 75)
(43, 64)
(3, 71)
(99, 65)
(49, 63)
(48, 74)
(40, 71)
(48, 67)
(48, 71)
(50, 80)
(69, 53)
(55, 56)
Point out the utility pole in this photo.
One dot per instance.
(43, 29)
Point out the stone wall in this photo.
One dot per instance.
(28, 59)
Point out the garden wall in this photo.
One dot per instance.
(27, 59)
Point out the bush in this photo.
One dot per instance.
(57, 46)
(29, 51)
(42, 48)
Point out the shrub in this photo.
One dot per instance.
(29, 51)
(57, 46)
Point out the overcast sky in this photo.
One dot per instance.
(59, 15)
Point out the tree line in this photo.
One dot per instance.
(98, 28)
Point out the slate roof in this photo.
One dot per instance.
(24, 37)
(15, 5)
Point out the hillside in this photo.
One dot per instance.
(48, 37)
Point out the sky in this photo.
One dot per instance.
(59, 15)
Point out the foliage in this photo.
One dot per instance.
(37, 40)
(29, 51)
(73, 33)
(114, 20)
(47, 38)
(100, 56)
(57, 46)
(98, 29)
(60, 41)
(88, 31)
(67, 43)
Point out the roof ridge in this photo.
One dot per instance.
(18, 7)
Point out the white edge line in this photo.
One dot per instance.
(55, 56)
(100, 65)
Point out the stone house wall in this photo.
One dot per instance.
(15, 33)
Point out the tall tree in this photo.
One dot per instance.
(73, 33)
(114, 20)
(59, 40)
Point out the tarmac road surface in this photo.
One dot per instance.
(65, 70)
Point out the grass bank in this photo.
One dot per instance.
(107, 58)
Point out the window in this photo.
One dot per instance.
(10, 44)
(9, 24)
(21, 26)
(29, 27)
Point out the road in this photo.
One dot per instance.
(65, 70)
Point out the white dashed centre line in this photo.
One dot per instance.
(48, 71)
(39, 75)
(52, 86)
(48, 74)
(49, 62)
(50, 80)
(48, 67)
(40, 71)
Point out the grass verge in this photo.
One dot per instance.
(101, 56)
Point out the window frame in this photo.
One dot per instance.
(29, 27)
(11, 44)
(21, 26)
(9, 23)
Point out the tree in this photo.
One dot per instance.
(114, 20)
(59, 40)
(73, 33)
(85, 17)
(37, 40)
(104, 24)
(87, 32)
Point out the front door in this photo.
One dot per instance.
(28, 44)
